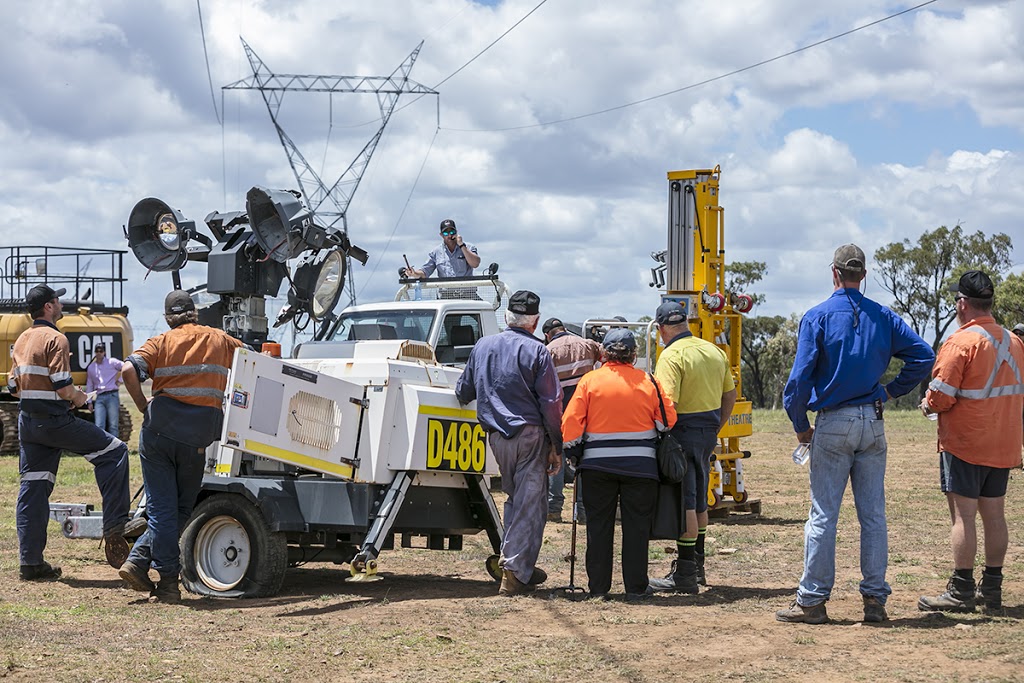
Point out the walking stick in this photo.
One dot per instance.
(572, 591)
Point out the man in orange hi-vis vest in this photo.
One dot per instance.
(978, 392)
(189, 365)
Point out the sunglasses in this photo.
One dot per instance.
(448, 233)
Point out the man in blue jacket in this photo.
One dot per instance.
(843, 349)
(519, 403)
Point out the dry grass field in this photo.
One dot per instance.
(436, 616)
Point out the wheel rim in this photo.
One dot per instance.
(222, 553)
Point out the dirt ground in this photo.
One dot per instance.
(436, 616)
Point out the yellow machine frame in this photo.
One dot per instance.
(695, 277)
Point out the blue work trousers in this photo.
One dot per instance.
(173, 474)
(522, 462)
(106, 411)
(43, 437)
(848, 445)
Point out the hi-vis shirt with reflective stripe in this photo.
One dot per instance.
(978, 391)
(573, 357)
(189, 364)
(614, 414)
(41, 364)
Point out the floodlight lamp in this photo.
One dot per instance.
(329, 282)
(157, 235)
(279, 220)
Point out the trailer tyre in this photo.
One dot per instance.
(228, 551)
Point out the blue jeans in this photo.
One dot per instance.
(173, 474)
(848, 444)
(106, 411)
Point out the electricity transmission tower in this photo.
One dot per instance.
(330, 203)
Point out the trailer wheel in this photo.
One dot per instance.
(228, 551)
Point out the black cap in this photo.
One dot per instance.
(448, 223)
(974, 284)
(99, 347)
(550, 324)
(619, 339)
(40, 295)
(524, 302)
(670, 313)
(178, 301)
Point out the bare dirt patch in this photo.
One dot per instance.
(436, 616)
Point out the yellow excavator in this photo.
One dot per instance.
(93, 313)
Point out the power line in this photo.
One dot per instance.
(402, 214)
(206, 55)
(698, 84)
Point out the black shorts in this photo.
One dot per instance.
(698, 445)
(971, 481)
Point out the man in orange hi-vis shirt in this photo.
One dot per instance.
(978, 392)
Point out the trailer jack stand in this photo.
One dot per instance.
(363, 572)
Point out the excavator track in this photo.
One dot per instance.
(9, 420)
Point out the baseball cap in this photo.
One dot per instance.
(100, 347)
(39, 295)
(550, 324)
(524, 302)
(670, 313)
(1018, 329)
(619, 339)
(974, 284)
(178, 301)
(849, 257)
(448, 224)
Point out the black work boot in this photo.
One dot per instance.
(166, 590)
(959, 597)
(701, 577)
(39, 572)
(682, 580)
(989, 594)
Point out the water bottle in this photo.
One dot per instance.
(802, 453)
(417, 291)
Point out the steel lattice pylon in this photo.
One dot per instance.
(339, 195)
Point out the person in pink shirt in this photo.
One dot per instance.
(104, 377)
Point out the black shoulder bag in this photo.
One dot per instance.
(671, 462)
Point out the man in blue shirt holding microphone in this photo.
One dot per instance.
(844, 347)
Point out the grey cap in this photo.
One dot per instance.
(619, 339)
(670, 313)
(850, 257)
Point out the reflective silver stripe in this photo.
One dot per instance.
(11, 384)
(44, 395)
(660, 427)
(59, 376)
(30, 370)
(1003, 355)
(39, 476)
(940, 386)
(615, 436)
(191, 370)
(574, 442)
(572, 367)
(193, 391)
(114, 443)
(619, 452)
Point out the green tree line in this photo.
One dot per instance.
(916, 274)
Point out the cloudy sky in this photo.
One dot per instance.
(874, 137)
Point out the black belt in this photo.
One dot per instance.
(109, 391)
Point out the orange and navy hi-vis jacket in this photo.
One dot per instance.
(40, 365)
(189, 366)
(573, 357)
(978, 391)
(614, 414)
